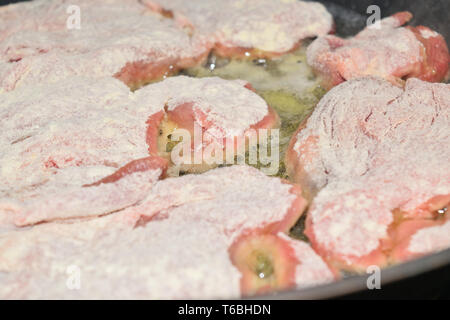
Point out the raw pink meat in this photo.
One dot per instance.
(311, 270)
(116, 38)
(275, 262)
(222, 108)
(126, 40)
(61, 140)
(164, 260)
(261, 28)
(65, 198)
(416, 238)
(391, 52)
(368, 149)
(218, 196)
(179, 251)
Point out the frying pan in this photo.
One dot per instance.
(350, 17)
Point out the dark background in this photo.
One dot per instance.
(434, 285)
(2, 2)
(434, 14)
(431, 13)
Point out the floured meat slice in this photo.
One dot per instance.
(99, 127)
(59, 140)
(219, 196)
(243, 28)
(270, 262)
(311, 270)
(116, 38)
(390, 51)
(219, 116)
(369, 149)
(267, 263)
(270, 28)
(350, 229)
(87, 191)
(416, 238)
(190, 229)
(168, 259)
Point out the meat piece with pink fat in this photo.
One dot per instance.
(368, 150)
(58, 140)
(386, 50)
(227, 114)
(91, 147)
(249, 28)
(47, 41)
(180, 237)
(417, 238)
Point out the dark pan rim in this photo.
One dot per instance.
(359, 283)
